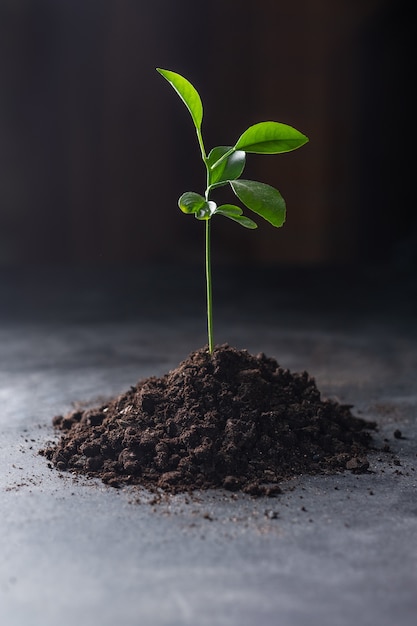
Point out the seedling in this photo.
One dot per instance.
(224, 166)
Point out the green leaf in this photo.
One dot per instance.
(228, 169)
(188, 94)
(205, 212)
(262, 199)
(229, 210)
(270, 138)
(234, 213)
(191, 202)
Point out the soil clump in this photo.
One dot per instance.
(227, 419)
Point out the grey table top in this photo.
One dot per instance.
(330, 551)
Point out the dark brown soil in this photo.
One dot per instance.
(229, 419)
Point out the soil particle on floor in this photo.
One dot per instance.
(227, 419)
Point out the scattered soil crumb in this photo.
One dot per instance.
(226, 420)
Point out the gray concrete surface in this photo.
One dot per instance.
(330, 551)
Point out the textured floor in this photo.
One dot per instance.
(330, 551)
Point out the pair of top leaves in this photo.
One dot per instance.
(225, 164)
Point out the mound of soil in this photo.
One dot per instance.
(227, 419)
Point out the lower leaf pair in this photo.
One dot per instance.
(260, 198)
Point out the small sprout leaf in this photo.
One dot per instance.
(228, 169)
(206, 211)
(262, 199)
(234, 213)
(270, 138)
(191, 202)
(188, 94)
(229, 210)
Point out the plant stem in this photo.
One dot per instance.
(209, 289)
(201, 144)
(208, 249)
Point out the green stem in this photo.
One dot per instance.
(201, 144)
(208, 249)
(209, 289)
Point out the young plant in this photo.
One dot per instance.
(224, 166)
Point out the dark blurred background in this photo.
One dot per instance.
(95, 147)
